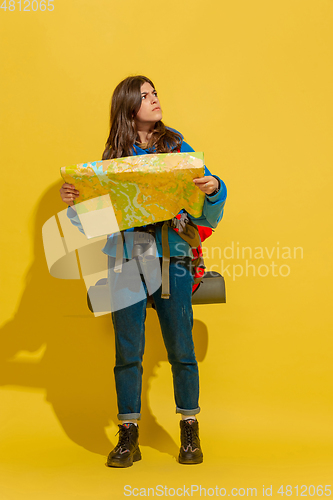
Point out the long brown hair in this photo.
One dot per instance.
(125, 103)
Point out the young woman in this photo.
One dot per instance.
(136, 129)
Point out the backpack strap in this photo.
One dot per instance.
(165, 294)
(186, 229)
(193, 235)
(189, 232)
(118, 266)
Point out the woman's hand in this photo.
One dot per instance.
(68, 193)
(207, 184)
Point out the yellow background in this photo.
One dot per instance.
(250, 84)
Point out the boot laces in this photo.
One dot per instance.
(124, 437)
(189, 436)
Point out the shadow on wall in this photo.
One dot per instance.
(77, 352)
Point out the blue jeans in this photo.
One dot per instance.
(176, 320)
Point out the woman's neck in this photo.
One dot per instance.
(144, 134)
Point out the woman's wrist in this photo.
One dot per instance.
(217, 189)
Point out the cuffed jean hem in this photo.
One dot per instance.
(129, 416)
(188, 412)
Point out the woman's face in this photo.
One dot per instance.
(150, 111)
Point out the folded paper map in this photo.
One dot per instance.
(140, 189)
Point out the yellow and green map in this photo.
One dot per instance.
(143, 189)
